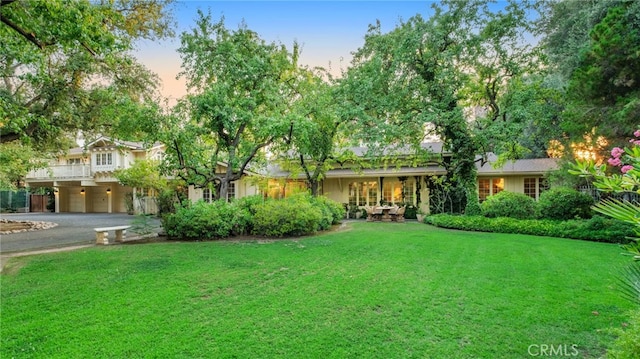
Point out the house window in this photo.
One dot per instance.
(530, 189)
(409, 192)
(74, 161)
(484, 189)
(497, 185)
(231, 192)
(397, 193)
(488, 187)
(207, 195)
(104, 159)
(363, 193)
(533, 187)
(392, 192)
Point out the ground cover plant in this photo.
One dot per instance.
(597, 229)
(370, 290)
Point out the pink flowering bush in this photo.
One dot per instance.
(626, 179)
(625, 171)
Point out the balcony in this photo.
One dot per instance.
(61, 172)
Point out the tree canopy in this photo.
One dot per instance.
(592, 48)
(241, 104)
(419, 79)
(66, 66)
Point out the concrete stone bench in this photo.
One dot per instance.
(102, 234)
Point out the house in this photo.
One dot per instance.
(84, 182)
(83, 179)
(405, 183)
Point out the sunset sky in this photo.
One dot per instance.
(328, 31)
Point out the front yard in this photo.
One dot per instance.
(372, 290)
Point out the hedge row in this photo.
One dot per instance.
(297, 215)
(557, 203)
(596, 229)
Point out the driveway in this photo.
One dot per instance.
(73, 229)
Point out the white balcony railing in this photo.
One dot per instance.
(104, 168)
(61, 171)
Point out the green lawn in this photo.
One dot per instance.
(373, 290)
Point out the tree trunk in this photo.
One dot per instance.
(314, 186)
(224, 189)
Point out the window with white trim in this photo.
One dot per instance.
(533, 187)
(231, 191)
(488, 187)
(363, 193)
(396, 193)
(207, 195)
(104, 159)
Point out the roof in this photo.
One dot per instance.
(523, 166)
(108, 142)
(434, 147)
(536, 166)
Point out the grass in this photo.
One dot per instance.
(377, 290)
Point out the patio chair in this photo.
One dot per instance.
(370, 213)
(377, 213)
(399, 217)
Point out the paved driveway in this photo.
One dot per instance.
(73, 229)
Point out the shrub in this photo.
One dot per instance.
(336, 209)
(627, 346)
(472, 208)
(297, 215)
(564, 203)
(203, 220)
(410, 211)
(250, 203)
(596, 229)
(294, 216)
(166, 200)
(509, 204)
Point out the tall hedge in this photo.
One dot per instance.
(509, 204)
(202, 220)
(287, 217)
(297, 215)
(564, 203)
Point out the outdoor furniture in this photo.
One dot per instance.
(377, 213)
(370, 213)
(102, 234)
(385, 216)
(399, 215)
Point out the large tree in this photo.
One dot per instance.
(419, 79)
(66, 65)
(318, 137)
(240, 104)
(592, 48)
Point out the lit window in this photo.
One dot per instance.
(497, 185)
(489, 186)
(394, 192)
(363, 193)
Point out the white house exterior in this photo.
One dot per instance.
(408, 184)
(83, 180)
